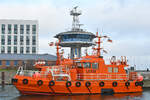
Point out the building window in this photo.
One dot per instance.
(28, 29)
(27, 40)
(95, 65)
(15, 29)
(3, 28)
(21, 50)
(15, 49)
(115, 69)
(110, 69)
(87, 65)
(7, 63)
(9, 40)
(9, 28)
(33, 40)
(15, 63)
(28, 50)
(3, 40)
(21, 29)
(9, 49)
(2, 49)
(21, 40)
(0, 62)
(33, 29)
(15, 40)
(33, 49)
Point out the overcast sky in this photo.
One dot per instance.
(127, 22)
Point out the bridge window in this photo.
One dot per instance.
(95, 65)
(79, 65)
(116, 70)
(87, 65)
(110, 69)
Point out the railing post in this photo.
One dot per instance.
(3, 78)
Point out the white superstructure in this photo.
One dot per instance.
(19, 36)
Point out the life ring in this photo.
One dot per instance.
(136, 83)
(114, 84)
(39, 82)
(88, 84)
(101, 84)
(25, 81)
(141, 83)
(127, 83)
(78, 84)
(68, 83)
(51, 83)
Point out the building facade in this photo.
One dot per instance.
(13, 61)
(18, 36)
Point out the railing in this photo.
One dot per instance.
(54, 73)
(105, 77)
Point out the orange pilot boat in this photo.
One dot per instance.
(81, 75)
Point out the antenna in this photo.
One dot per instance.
(75, 23)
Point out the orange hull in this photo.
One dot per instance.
(60, 87)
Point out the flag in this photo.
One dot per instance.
(105, 36)
(104, 51)
(109, 40)
(51, 44)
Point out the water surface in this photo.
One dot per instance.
(10, 93)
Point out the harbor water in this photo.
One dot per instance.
(9, 92)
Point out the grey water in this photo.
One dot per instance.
(9, 92)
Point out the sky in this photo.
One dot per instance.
(127, 22)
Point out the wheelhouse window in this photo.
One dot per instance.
(95, 65)
(0, 62)
(110, 69)
(116, 70)
(79, 65)
(87, 65)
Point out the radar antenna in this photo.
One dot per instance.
(75, 23)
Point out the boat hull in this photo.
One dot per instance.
(60, 88)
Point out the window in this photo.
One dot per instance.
(0, 62)
(3, 28)
(79, 65)
(28, 29)
(15, 49)
(9, 28)
(28, 50)
(95, 65)
(33, 29)
(15, 63)
(87, 65)
(33, 49)
(21, 50)
(3, 40)
(15, 29)
(9, 40)
(115, 69)
(110, 69)
(9, 49)
(21, 29)
(27, 40)
(2, 49)
(7, 63)
(33, 40)
(15, 40)
(21, 40)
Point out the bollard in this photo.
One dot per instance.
(3, 78)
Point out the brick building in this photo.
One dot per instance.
(13, 61)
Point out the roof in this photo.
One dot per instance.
(28, 57)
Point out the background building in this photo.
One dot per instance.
(18, 36)
(12, 61)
